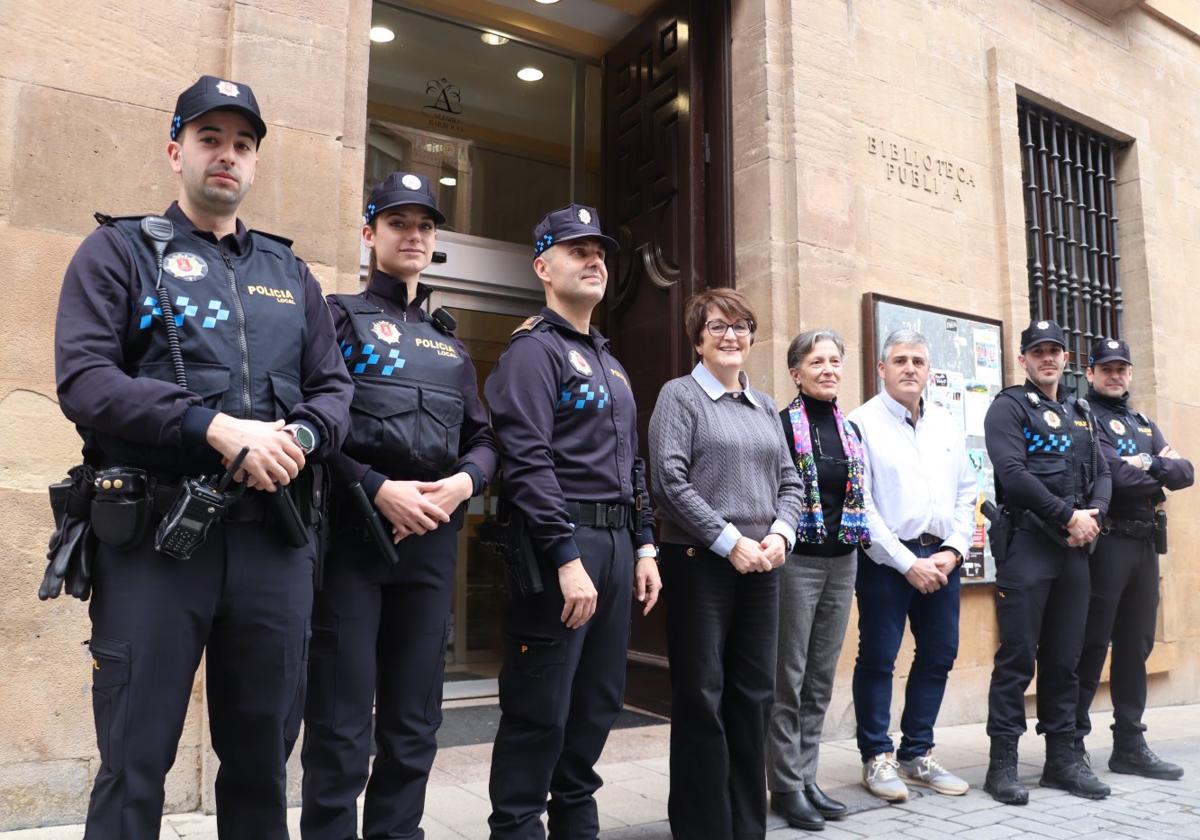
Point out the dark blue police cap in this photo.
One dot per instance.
(1039, 332)
(1109, 350)
(403, 188)
(210, 94)
(575, 221)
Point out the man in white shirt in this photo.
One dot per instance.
(921, 493)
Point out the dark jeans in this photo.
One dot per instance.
(379, 641)
(722, 630)
(885, 601)
(1124, 608)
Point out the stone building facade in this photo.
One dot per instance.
(823, 92)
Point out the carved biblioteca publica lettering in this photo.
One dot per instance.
(916, 168)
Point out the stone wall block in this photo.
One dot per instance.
(297, 68)
(149, 52)
(9, 93)
(43, 793)
(115, 152)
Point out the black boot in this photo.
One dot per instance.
(1066, 769)
(795, 808)
(830, 809)
(1131, 755)
(1002, 781)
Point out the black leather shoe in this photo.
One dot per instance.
(1141, 761)
(830, 809)
(795, 808)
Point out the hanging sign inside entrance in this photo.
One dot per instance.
(445, 106)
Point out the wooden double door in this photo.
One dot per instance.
(667, 198)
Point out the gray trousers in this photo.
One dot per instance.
(815, 594)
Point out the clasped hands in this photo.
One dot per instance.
(418, 507)
(750, 556)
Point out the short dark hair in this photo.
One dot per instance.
(729, 302)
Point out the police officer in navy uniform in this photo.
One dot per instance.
(564, 413)
(1124, 567)
(1052, 480)
(419, 446)
(263, 371)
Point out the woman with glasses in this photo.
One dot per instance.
(817, 585)
(727, 495)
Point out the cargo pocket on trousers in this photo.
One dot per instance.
(320, 707)
(433, 702)
(291, 727)
(110, 699)
(532, 678)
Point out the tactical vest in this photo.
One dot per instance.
(407, 411)
(242, 330)
(1058, 443)
(1131, 434)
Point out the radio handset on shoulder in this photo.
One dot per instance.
(159, 231)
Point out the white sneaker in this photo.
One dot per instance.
(879, 776)
(928, 771)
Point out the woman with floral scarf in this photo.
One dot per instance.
(817, 583)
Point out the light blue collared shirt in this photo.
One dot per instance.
(729, 536)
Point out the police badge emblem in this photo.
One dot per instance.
(1052, 419)
(411, 182)
(1114, 345)
(579, 362)
(1043, 325)
(386, 331)
(585, 216)
(228, 89)
(1117, 426)
(185, 266)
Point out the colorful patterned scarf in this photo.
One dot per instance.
(811, 528)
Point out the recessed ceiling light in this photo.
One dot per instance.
(381, 34)
(530, 74)
(546, 2)
(448, 181)
(493, 40)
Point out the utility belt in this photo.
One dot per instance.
(600, 515)
(1138, 529)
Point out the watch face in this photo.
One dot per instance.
(304, 437)
(1146, 461)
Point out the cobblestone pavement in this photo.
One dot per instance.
(633, 799)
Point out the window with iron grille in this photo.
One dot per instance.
(1071, 230)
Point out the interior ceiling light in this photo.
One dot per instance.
(448, 181)
(530, 74)
(546, 2)
(493, 40)
(381, 34)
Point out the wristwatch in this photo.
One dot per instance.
(303, 436)
(956, 552)
(1147, 460)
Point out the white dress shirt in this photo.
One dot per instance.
(919, 479)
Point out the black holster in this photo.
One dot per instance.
(509, 536)
(121, 506)
(373, 524)
(1000, 531)
(1160, 532)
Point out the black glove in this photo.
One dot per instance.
(71, 545)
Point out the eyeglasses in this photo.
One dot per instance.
(820, 453)
(741, 329)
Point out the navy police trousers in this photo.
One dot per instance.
(560, 693)
(244, 599)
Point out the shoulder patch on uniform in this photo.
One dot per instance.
(528, 324)
(282, 240)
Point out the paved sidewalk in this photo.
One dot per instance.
(633, 799)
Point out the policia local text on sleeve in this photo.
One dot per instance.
(251, 368)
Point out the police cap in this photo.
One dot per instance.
(403, 188)
(1039, 332)
(1109, 350)
(575, 221)
(210, 94)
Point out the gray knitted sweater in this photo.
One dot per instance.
(719, 462)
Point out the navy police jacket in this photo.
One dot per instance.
(1123, 432)
(416, 413)
(563, 411)
(255, 333)
(1042, 454)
